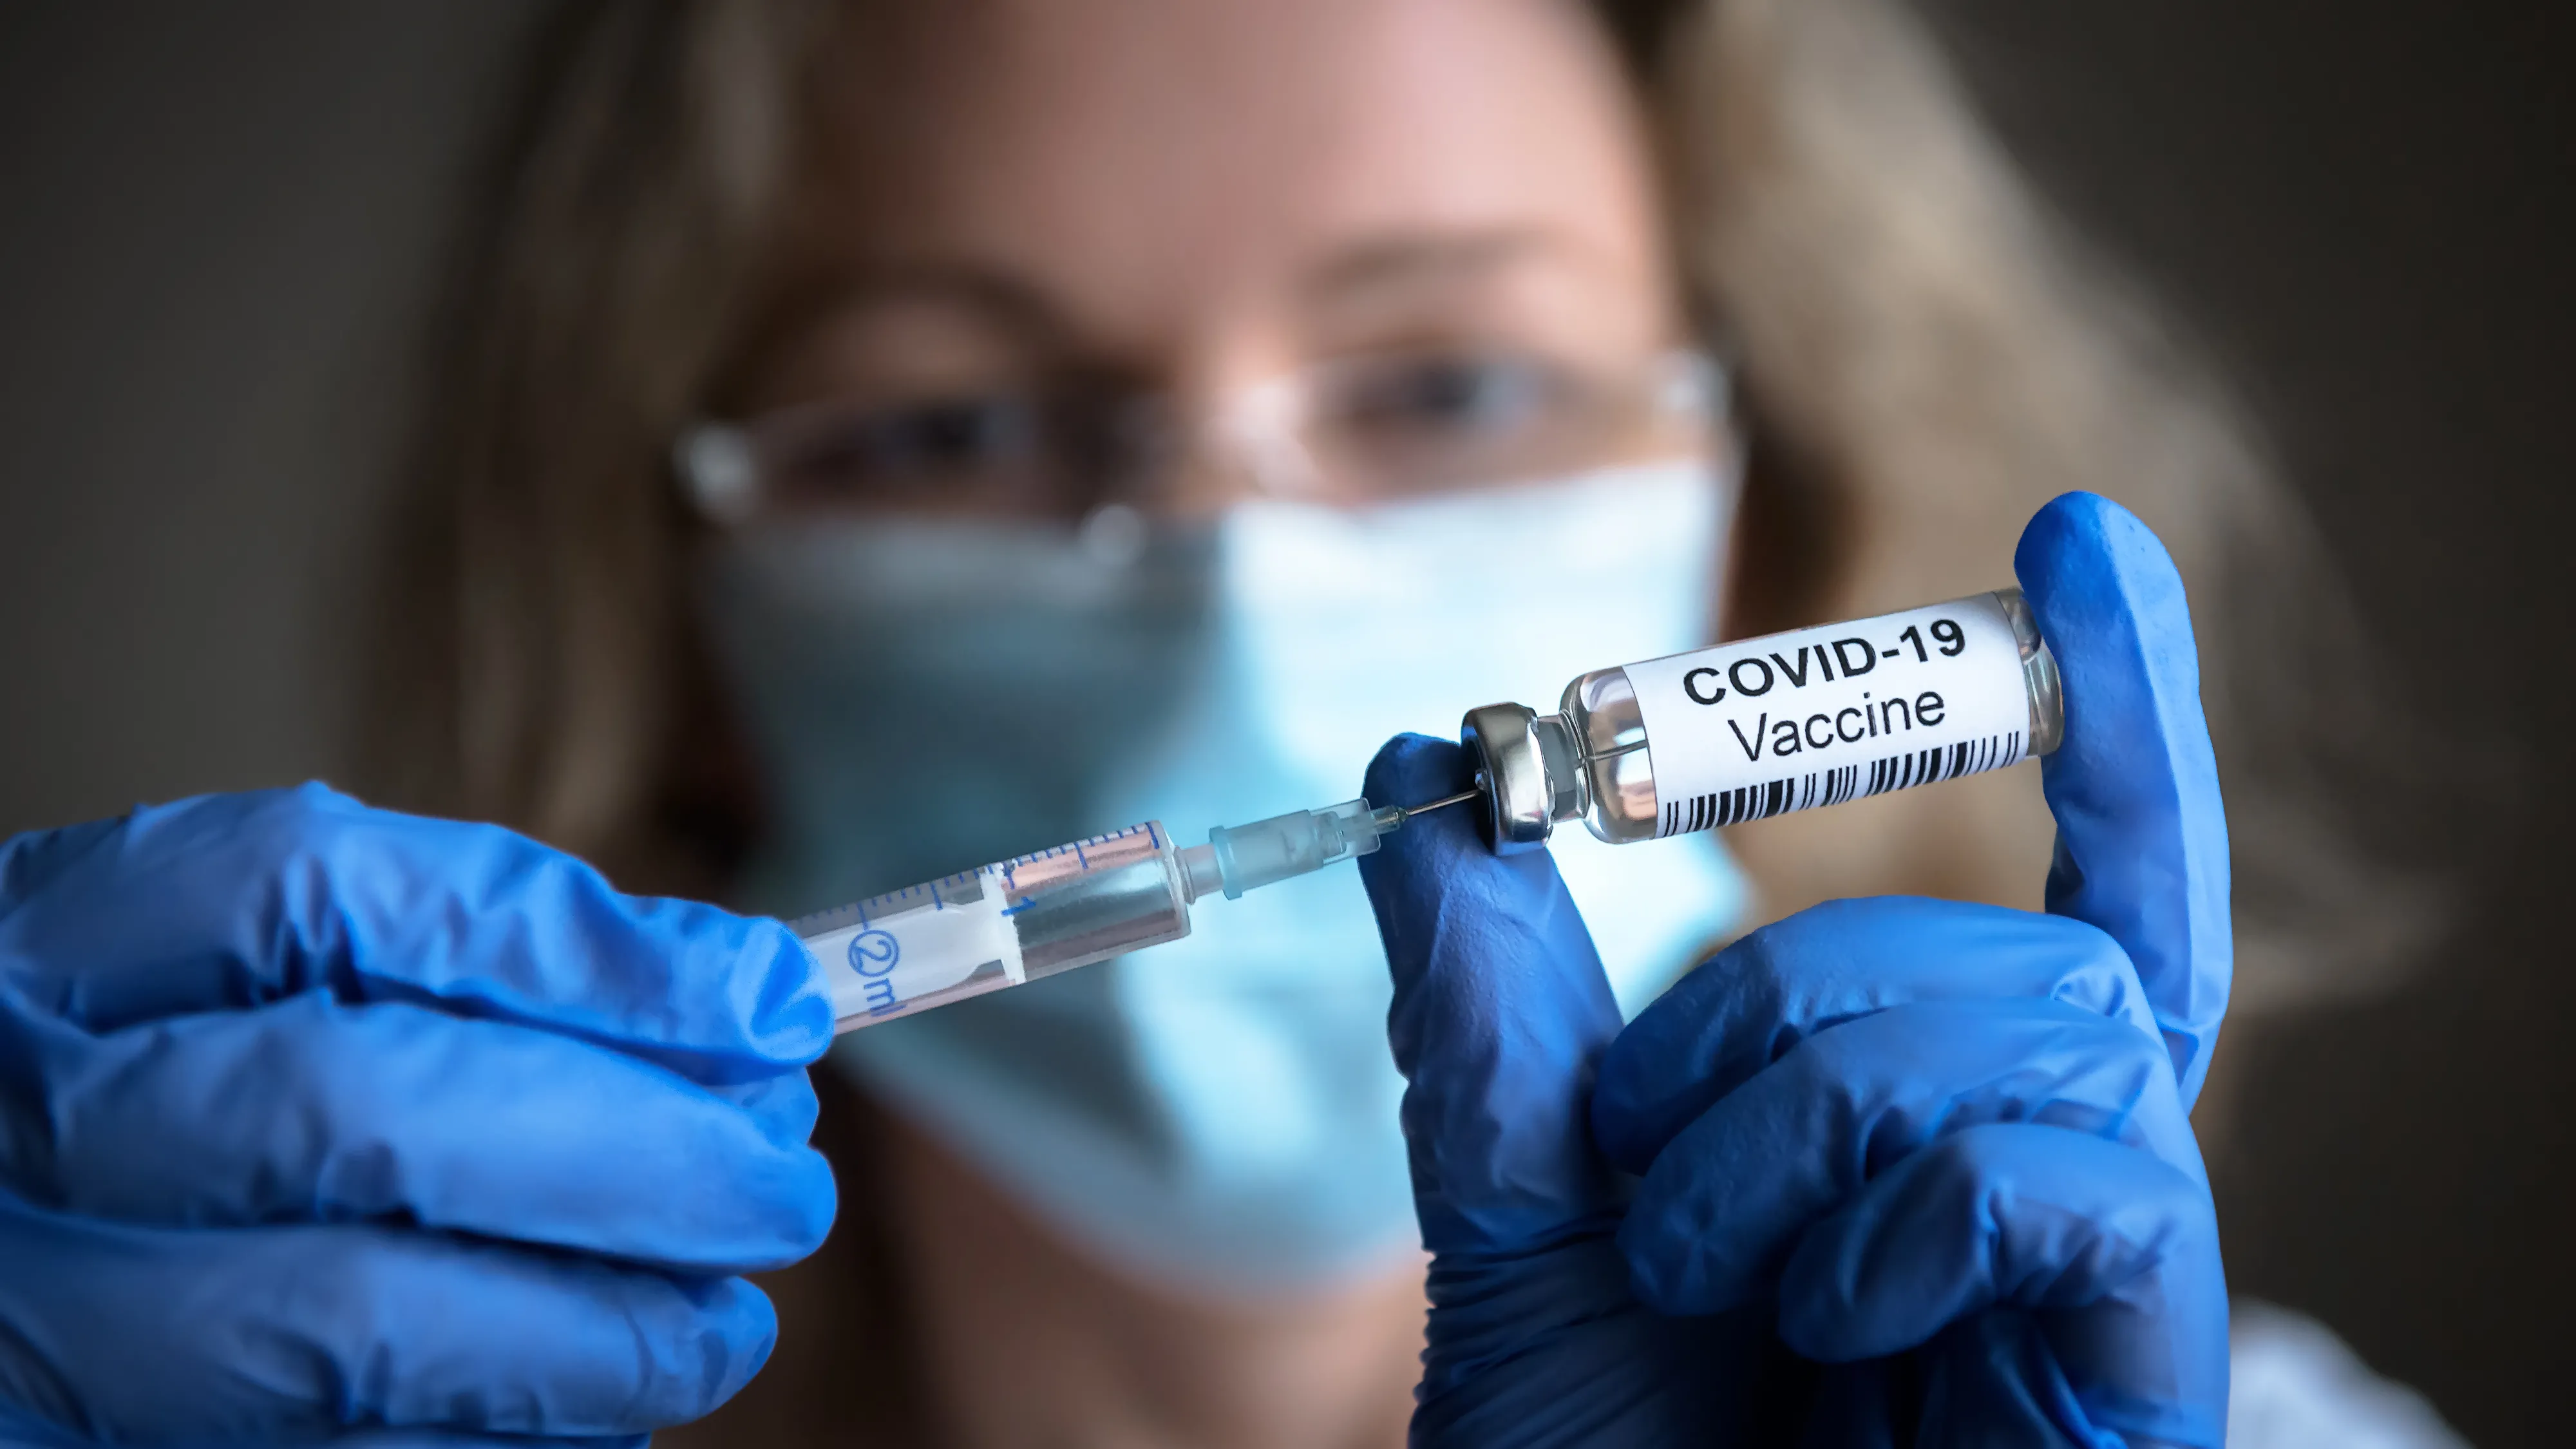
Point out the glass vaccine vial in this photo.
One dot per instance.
(1761, 727)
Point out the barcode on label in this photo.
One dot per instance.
(1833, 787)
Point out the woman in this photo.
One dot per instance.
(968, 227)
(889, 435)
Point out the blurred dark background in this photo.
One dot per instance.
(2364, 208)
(222, 226)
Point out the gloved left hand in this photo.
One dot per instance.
(325, 1123)
(1911, 1171)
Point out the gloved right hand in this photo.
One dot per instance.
(321, 1122)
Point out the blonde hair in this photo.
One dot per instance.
(1926, 359)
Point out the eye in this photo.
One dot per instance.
(967, 443)
(1385, 427)
(1428, 398)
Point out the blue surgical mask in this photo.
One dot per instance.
(1217, 1114)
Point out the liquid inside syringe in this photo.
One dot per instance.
(1018, 920)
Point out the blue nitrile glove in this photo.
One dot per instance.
(1913, 1172)
(319, 1120)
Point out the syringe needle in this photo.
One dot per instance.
(1461, 798)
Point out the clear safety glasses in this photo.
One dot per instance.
(1345, 433)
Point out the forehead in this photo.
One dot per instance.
(1144, 160)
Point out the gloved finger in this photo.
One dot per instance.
(158, 1335)
(28, 861)
(782, 1107)
(2141, 832)
(310, 1110)
(20, 1433)
(1724, 1204)
(227, 901)
(440, 1439)
(2117, 1252)
(1500, 1009)
(1755, 1001)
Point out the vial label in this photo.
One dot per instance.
(912, 949)
(1819, 716)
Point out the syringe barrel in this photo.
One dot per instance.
(1112, 909)
(1761, 727)
(998, 925)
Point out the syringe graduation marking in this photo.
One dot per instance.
(1833, 787)
(945, 939)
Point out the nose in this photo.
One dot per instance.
(1248, 443)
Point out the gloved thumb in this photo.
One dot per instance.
(1501, 1010)
(2141, 833)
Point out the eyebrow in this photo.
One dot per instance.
(1426, 259)
(994, 295)
(1364, 272)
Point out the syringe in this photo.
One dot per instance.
(1739, 732)
(1017, 920)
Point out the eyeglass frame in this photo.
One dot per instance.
(716, 464)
